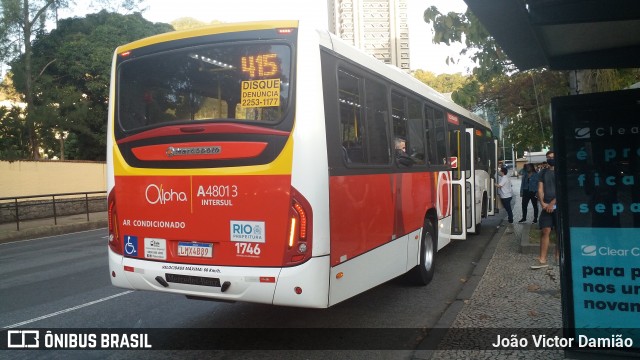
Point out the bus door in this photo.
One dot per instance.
(457, 159)
(471, 195)
(493, 156)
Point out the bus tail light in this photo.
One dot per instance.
(114, 236)
(298, 247)
(285, 31)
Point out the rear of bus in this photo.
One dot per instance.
(202, 200)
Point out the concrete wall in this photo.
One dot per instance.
(26, 178)
(32, 178)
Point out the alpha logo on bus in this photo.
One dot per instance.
(157, 195)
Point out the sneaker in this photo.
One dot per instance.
(522, 220)
(535, 221)
(539, 265)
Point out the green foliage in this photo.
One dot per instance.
(479, 45)
(7, 90)
(447, 28)
(72, 65)
(523, 101)
(467, 95)
(519, 101)
(599, 80)
(443, 83)
(190, 23)
(14, 137)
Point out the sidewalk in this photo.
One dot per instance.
(32, 229)
(509, 298)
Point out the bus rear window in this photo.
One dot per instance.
(238, 82)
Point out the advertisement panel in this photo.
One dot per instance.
(597, 144)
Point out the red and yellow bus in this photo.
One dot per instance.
(261, 162)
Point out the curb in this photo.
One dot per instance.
(425, 349)
(52, 230)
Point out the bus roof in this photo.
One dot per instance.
(208, 30)
(327, 40)
(333, 42)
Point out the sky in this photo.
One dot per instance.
(424, 54)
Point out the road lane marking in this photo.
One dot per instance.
(53, 236)
(67, 310)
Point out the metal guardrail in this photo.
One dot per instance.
(14, 202)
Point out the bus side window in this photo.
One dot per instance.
(408, 129)
(351, 124)
(415, 130)
(480, 150)
(377, 122)
(399, 118)
(430, 136)
(441, 139)
(401, 144)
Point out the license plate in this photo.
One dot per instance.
(195, 249)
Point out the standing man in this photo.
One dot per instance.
(548, 215)
(529, 192)
(505, 193)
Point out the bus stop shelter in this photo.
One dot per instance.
(564, 34)
(575, 35)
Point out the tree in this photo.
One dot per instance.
(7, 90)
(13, 134)
(20, 23)
(190, 23)
(480, 46)
(72, 88)
(521, 100)
(443, 83)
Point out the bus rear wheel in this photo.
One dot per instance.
(423, 272)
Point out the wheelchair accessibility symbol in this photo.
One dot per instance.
(131, 245)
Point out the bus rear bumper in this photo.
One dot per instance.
(260, 285)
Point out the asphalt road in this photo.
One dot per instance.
(63, 282)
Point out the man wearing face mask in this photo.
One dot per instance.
(547, 219)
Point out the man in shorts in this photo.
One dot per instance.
(548, 215)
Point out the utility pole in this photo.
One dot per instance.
(513, 158)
